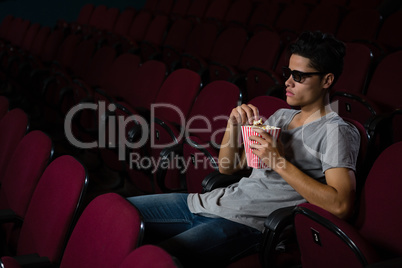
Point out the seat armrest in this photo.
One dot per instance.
(278, 227)
(279, 219)
(33, 261)
(371, 107)
(168, 127)
(176, 150)
(391, 263)
(344, 236)
(8, 215)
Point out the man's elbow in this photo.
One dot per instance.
(225, 171)
(343, 210)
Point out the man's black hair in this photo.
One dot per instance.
(325, 52)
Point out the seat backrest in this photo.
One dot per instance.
(309, 3)
(292, 18)
(264, 16)
(205, 130)
(320, 19)
(357, 67)
(11, 25)
(239, 12)
(149, 256)
(356, 4)
(124, 21)
(217, 10)
(146, 83)
(180, 8)
(387, 35)
(140, 25)
(340, 3)
(51, 46)
(18, 28)
(109, 20)
(381, 89)
(98, 16)
(268, 105)
(40, 39)
(179, 91)
(178, 34)
(360, 24)
(119, 77)
(164, 7)
(13, 127)
(175, 42)
(156, 30)
(154, 37)
(24, 169)
(66, 51)
(261, 51)
(85, 14)
(201, 39)
(197, 9)
(30, 36)
(4, 105)
(108, 229)
(221, 97)
(5, 25)
(381, 198)
(150, 5)
(82, 58)
(99, 65)
(229, 46)
(9, 262)
(53, 209)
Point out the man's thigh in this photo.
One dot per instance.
(212, 241)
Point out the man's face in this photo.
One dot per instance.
(311, 87)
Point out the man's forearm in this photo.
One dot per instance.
(337, 199)
(230, 152)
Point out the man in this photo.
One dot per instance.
(314, 160)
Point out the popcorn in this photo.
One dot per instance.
(258, 122)
(247, 131)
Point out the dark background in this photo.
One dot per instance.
(47, 12)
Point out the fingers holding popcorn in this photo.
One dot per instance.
(244, 114)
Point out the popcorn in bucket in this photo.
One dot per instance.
(247, 131)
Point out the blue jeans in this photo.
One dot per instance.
(195, 240)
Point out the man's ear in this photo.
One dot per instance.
(328, 80)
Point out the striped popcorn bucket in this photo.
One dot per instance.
(253, 160)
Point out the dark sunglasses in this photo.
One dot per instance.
(297, 75)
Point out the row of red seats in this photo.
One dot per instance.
(79, 64)
(180, 78)
(360, 21)
(210, 46)
(45, 216)
(259, 75)
(77, 67)
(183, 7)
(133, 88)
(184, 37)
(97, 71)
(356, 24)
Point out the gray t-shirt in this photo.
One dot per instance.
(325, 143)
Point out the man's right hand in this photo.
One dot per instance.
(243, 115)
